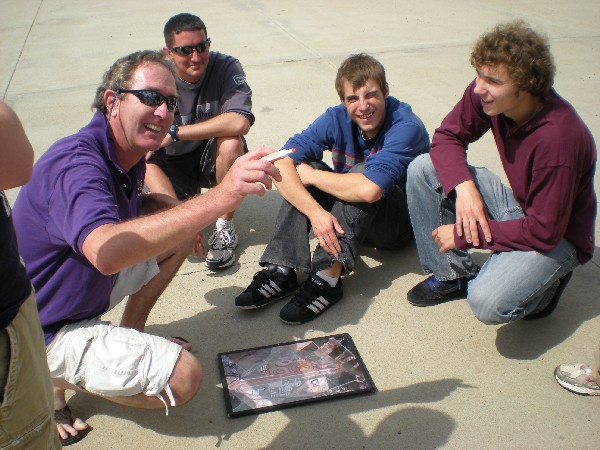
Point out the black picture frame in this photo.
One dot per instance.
(268, 378)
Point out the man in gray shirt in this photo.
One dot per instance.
(213, 114)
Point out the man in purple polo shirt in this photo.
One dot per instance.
(539, 230)
(90, 237)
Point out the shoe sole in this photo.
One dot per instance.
(219, 265)
(437, 302)
(293, 323)
(576, 389)
(287, 322)
(300, 322)
(269, 301)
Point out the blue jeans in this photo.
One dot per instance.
(510, 285)
(383, 224)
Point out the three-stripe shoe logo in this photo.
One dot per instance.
(318, 305)
(270, 289)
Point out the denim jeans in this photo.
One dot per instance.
(510, 285)
(383, 224)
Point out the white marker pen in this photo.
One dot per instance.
(278, 155)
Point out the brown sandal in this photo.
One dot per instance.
(184, 343)
(64, 416)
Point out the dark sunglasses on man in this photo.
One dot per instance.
(186, 50)
(151, 98)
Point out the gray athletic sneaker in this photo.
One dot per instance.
(577, 378)
(221, 252)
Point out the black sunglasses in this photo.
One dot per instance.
(151, 98)
(186, 50)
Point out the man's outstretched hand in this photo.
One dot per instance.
(251, 175)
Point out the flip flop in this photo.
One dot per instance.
(185, 344)
(64, 416)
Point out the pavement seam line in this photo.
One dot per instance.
(4, 94)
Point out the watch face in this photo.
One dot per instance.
(173, 132)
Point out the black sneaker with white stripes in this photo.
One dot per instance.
(314, 297)
(268, 285)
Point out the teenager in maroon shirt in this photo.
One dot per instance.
(541, 227)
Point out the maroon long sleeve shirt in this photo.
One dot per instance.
(549, 161)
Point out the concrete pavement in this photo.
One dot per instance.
(443, 378)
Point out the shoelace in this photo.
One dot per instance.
(223, 238)
(264, 277)
(261, 277)
(433, 283)
(307, 294)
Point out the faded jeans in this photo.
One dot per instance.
(383, 224)
(510, 285)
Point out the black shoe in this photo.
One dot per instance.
(267, 286)
(551, 306)
(432, 291)
(315, 297)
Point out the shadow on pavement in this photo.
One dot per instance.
(319, 425)
(527, 340)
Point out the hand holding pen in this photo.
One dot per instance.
(278, 155)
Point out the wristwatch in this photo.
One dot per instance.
(173, 132)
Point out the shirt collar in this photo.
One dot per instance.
(101, 131)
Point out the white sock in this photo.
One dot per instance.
(222, 223)
(331, 280)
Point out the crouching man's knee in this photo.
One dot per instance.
(186, 378)
(421, 166)
(489, 308)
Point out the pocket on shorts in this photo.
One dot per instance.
(5, 368)
(26, 401)
(113, 370)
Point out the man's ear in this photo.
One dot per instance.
(110, 98)
(167, 52)
(387, 90)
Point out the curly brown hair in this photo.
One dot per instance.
(525, 53)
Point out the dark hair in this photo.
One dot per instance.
(357, 69)
(182, 22)
(119, 75)
(525, 53)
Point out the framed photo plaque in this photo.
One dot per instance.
(272, 377)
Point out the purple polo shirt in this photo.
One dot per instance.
(76, 186)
